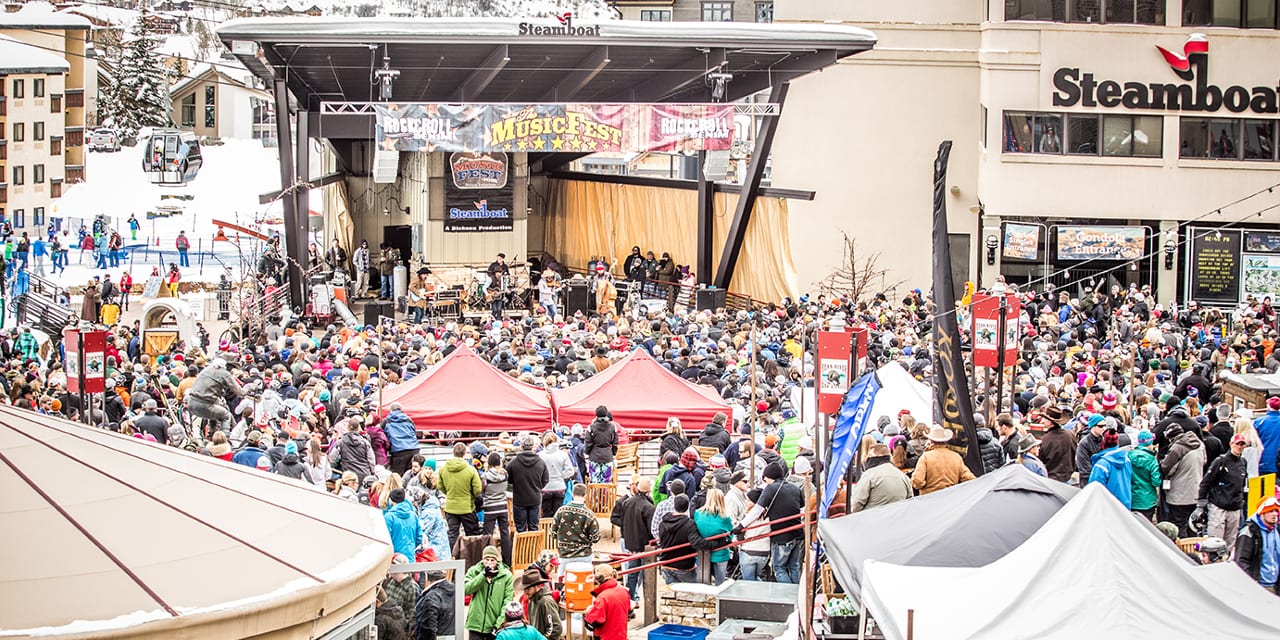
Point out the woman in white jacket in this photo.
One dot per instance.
(317, 463)
(559, 469)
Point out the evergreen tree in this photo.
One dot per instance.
(140, 97)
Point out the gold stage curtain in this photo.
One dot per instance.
(337, 216)
(586, 219)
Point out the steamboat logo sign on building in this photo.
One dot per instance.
(1074, 87)
(566, 27)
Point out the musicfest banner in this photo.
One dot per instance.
(478, 193)
(554, 127)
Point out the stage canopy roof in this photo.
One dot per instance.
(524, 60)
(641, 394)
(465, 393)
(111, 536)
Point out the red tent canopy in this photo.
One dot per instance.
(641, 394)
(465, 393)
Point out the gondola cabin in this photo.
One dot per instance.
(172, 157)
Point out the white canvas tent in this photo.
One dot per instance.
(116, 537)
(968, 525)
(1092, 571)
(898, 391)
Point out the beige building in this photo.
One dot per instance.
(65, 36)
(1078, 144)
(223, 101)
(696, 10)
(31, 122)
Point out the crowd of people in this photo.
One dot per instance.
(1108, 388)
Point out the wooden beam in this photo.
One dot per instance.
(325, 180)
(484, 74)
(750, 191)
(706, 223)
(587, 70)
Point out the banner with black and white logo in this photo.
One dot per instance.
(478, 193)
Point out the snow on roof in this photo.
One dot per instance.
(179, 46)
(336, 29)
(19, 57)
(231, 69)
(115, 16)
(42, 14)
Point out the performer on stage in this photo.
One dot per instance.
(498, 274)
(420, 294)
(606, 291)
(549, 292)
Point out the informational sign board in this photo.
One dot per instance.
(95, 360)
(1021, 241)
(986, 330)
(71, 344)
(1101, 243)
(1262, 276)
(835, 366)
(1215, 266)
(152, 288)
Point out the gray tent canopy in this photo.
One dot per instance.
(968, 525)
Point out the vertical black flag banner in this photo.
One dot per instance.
(952, 406)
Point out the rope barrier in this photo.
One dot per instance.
(646, 554)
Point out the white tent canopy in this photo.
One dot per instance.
(898, 391)
(1092, 571)
(116, 537)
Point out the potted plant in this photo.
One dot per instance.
(842, 615)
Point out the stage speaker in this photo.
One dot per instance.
(375, 310)
(576, 298)
(710, 299)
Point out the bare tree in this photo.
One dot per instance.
(856, 278)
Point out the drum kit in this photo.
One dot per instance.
(512, 287)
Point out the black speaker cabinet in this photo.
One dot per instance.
(374, 310)
(710, 299)
(576, 298)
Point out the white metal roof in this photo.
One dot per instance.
(19, 57)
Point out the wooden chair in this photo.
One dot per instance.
(1188, 545)
(526, 548)
(544, 525)
(706, 452)
(627, 458)
(600, 499)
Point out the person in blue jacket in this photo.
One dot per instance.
(1113, 469)
(402, 524)
(403, 435)
(1268, 428)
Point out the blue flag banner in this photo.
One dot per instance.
(851, 424)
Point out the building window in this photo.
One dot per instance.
(188, 116)
(210, 109)
(1258, 14)
(55, 189)
(19, 89)
(1089, 11)
(37, 216)
(55, 103)
(717, 12)
(55, 146)
(1224, 139)
(37, 174)
(1085, 135)
(982, 127)
(764, 11)
(19, 218)
(19, 175)
(19, 133)
(37, 87)
(655, 15)
(264, 121)
(37, 131)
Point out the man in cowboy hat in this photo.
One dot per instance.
(1058, 446)
(881, 483)
(544, 613)
(939, 467)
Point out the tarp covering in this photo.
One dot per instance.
(968, 525)
(1092, 571)
(641, 394)
(114, 536)
(465, 393)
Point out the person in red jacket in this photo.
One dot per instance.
(126, 284)
(611, 609)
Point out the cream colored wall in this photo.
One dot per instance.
(863, 135)
(881, 11)
(31, 152)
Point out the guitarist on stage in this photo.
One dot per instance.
(498, 276)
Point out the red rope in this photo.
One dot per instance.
(642, 567)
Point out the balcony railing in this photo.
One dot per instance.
(75, 136)
(4, 192)
(74, 173)
(4, 149)
(4, 106)
(75, 98)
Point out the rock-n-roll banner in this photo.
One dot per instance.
(548, 127)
